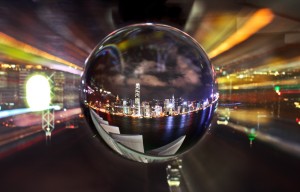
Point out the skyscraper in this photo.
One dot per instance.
(173, 102)
(137, 99)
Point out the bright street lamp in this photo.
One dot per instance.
(38, 92)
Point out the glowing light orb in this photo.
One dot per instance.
(38, 92)
(148, 91)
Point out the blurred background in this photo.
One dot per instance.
(253, 143)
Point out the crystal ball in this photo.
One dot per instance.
(149, 92)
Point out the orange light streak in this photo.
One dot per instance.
(257, 85)
(10, 41)
(257, 21)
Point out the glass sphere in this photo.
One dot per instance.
(148, 90)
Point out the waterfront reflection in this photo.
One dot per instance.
(158, 132)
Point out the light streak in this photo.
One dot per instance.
(8, 113)
(11, 43)
(22, 139)
(283, 144)
(13, 112)
(249, 115)
(281, 65)
(257, 21)
(263, 77)
(18, 134)
(34, 119)
(265, 84)
(214, 28)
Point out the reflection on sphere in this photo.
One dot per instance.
(149, 91)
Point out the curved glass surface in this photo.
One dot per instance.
(149, 91)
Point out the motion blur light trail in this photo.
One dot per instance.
(18, 134)
(215, 28)
(267, 84)
(257, 21)
(8, 113)
(283, 144)
(290, 64)
(34, 119)
(13, 112)
(7, 150)
(264, 76)
(251, 116)
(21, 140)
(19, 50)
(28, 125)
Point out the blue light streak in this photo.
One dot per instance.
(12, 112)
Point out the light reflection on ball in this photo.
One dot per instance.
(149, 91)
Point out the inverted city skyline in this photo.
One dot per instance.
(154, 108)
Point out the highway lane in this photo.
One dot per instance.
(222, 161)
(225, 161)
(26, 129)
(76, 162)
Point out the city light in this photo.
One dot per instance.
(38, 92)
(277, 90)
(257, 21)
(148, 108)
(19, 51)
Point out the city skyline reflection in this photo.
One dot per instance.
(137, 84)
(106, 102)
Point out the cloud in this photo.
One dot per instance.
(147, 80)
(190, 73)
(145, 74)
(116, 79)
(151, 80)
(145, 67)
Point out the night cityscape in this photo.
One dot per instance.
(13, 78)
(144, 123)
(146, 109)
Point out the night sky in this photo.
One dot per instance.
(164, 63)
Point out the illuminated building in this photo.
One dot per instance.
(12, 85)
(137, 99)
(184, 107)
(178, 109)
(173, 103)
(70, 96)
(23, 75)
(166, 105)
(9, 86)
(58, 88)
(158, 110)
(146, 109)
(118, 100)
(126, 108)
(198, 105)
(3, 85)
